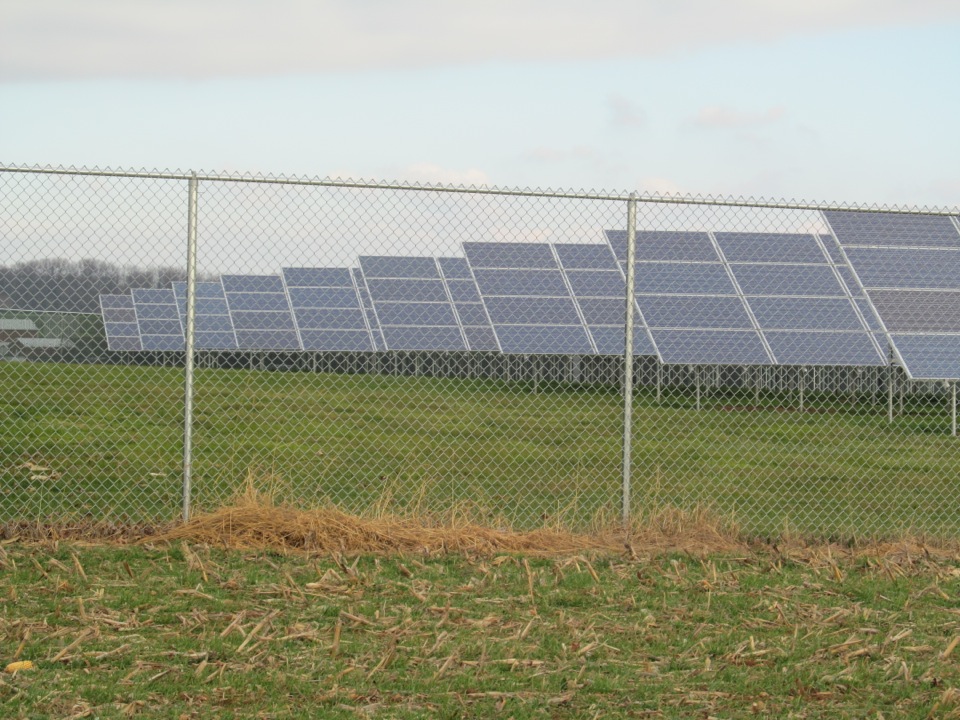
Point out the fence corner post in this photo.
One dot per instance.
(189, 332)
(628, 357)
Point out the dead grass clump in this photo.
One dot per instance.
(255, 520)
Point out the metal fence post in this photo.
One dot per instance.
(189, 332)
(628, 355)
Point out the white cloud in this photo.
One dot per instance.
(719, 116)
(200, 38)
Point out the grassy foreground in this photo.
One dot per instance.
(105, 442)
(190, 632)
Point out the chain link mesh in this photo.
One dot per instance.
(766, 387)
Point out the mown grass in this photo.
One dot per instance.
(107, 441)
(193, 632)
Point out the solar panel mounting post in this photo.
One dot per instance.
(628, 355)
(189, 333)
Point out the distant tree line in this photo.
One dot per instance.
(56, 284)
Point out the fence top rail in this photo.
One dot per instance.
(602, 195)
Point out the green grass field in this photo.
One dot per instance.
(192, 632)
(106, 442)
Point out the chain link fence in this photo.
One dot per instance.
(441, 349)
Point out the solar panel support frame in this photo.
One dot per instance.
(628, 355)
(189, 333)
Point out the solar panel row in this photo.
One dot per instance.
(908, 267)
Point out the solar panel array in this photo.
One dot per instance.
(702, 298)
(528, 300)
(909, 269)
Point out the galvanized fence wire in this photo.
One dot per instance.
(439, 350)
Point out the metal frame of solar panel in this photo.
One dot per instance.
(528, 299)
(471, 312)
(412, 304)
(261, 313)
(909, 268)
(158, 319)
(599, 287)
(689, 301)
(213, 329)
(794, 293)
(120, 322)
(327, 309)
(368, 310)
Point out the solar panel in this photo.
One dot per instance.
(930, 357)
(906, 268)
(527, 298)
(886, 229)
(919, 311)
(664, 246)
(710, 347)
(120, 322)
(704, 312)
(213, 328)
(814, 280)
(471, 313)
(411, 303)
(823, 348)
(261, 313)
(770, 247)
(158, 319)
(372, 322)
(327, 309)
(805, 313)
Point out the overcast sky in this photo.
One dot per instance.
(847, 100)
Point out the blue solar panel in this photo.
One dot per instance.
(158, 319)
(336, 340)
(710, 347)
(597, 283)
(116, 330)
(823, 348)
(317, 277)
(906, 268)
(529, 340)
(787, 280)
(123, 302)
(481, 338)
(682, 279)
(213, 328)
(124, 343)
(529, 283)
(250, 339)
(509, 255)
(694, 312)
(472, 314)
(386, 266)
(930, 357)
(586, 257)
(416, 314)
(372, 322)
(531, 311)
(423, 338)
(412, 307)
(603, 311)
(665, 246)
(394, 290)
(327, 309)
(252, 283)
(455, 268)
(463, 290)
(610, 340)
(261, 312)
(770, 247)
(919, 311)
(885, 229)
(527, 299)
(119, 315)
(805, 313)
